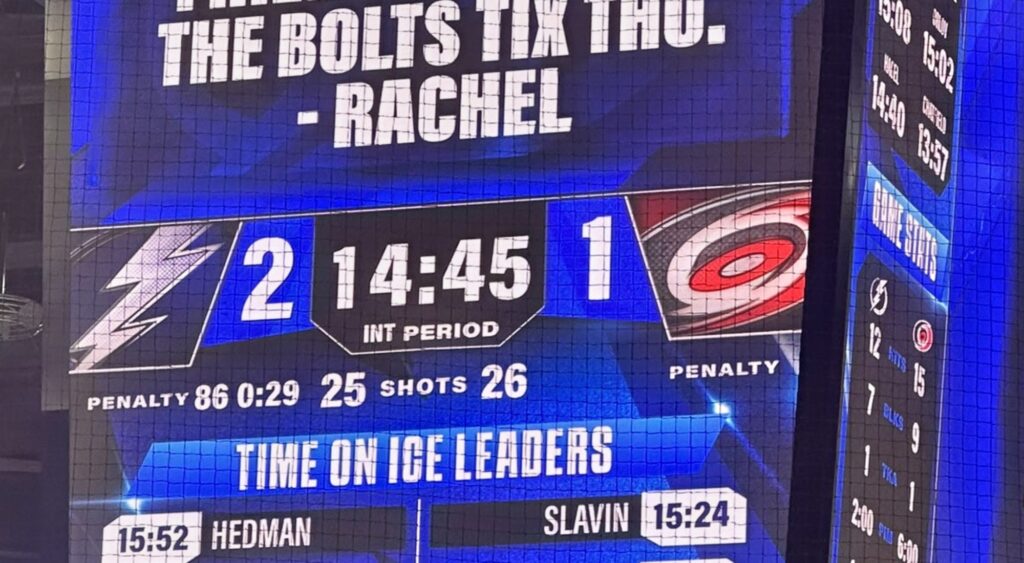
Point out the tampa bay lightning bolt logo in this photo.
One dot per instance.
(733, 264)
(165, 259)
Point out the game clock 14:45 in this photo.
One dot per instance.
(419, 279)
(464, 272)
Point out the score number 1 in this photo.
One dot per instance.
(257, 306)
(599, 282)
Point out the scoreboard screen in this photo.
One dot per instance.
(928, 429)
(441, 281)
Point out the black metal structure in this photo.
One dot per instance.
(33, 444)
(828, 272)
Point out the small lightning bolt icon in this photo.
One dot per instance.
(162, 262)
(879, 296)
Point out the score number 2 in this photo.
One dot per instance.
(257, 306)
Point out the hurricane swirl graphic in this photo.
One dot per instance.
(731, 264)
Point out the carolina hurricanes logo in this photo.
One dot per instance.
(731, 262)
(924, 337)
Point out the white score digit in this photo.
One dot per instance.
(913, 486)
(513, 381)
(599, 233)
(346, 261)
(211, 396)
(392, 274)
(919, 372)
(257, 306)
(867, 460)
(915, 433)
(875, 341)
(871, 398)
(502, 262)
(291, 391)
(463, 272)
(351, 385)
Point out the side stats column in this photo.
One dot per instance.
(902, 170)
(913, 76)
(893, 419)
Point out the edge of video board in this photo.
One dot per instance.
(823, 338)
(872, 468)
(919, 416)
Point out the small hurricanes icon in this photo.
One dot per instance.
(924, 337)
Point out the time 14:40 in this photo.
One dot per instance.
(890, 108)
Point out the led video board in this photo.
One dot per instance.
(437, 281)
(929, 386)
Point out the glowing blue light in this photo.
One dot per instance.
(133, 504)
(721, 408)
